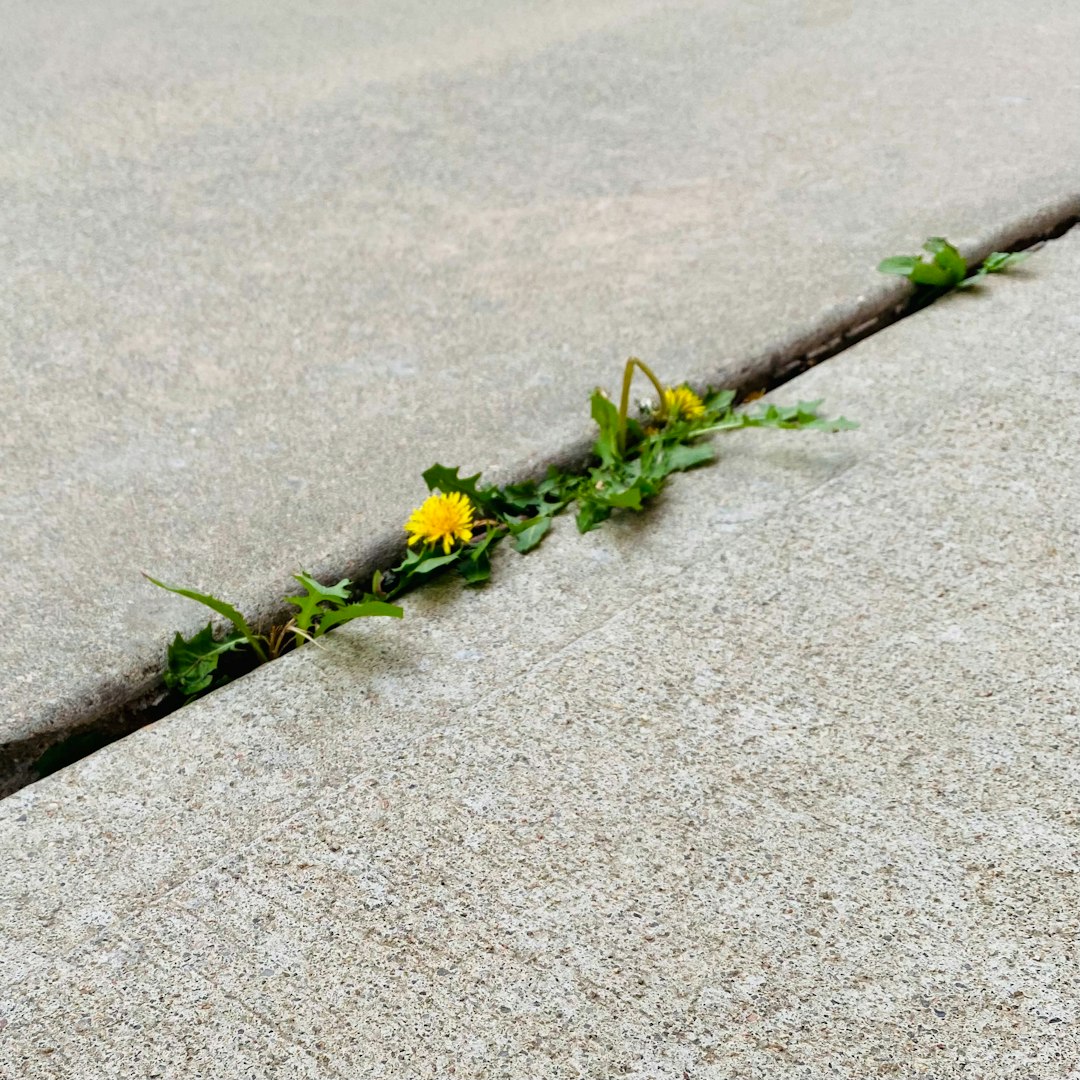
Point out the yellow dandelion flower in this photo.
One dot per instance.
(446, 518)
(681, 403)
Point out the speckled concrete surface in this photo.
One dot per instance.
(263, 265)
(778, 781)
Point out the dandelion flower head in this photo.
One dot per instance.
(441, 519)
(681, 403)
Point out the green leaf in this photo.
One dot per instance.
(804, 416)
(527, 534)
(630, 499)
(928, 273)
(222, 608)
(477, 570)
(440, 478)
(192, 663)
(556, 484)
(681, 456)
(947, 258)
(522, 496)
(728, 422)
(368, 609)
(316, 594)
(606, 416)
(999, 261)
(531, 499)
(717, 402)
(590, 514)
(415, 564)
(945, 269)
(424, 561)
(901, 265)
(805, 411)
(475, 564)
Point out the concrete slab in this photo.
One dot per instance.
(262, 270)
(780, 779)
(80, 1019)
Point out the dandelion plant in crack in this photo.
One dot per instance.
(462, 521)
(637, 456)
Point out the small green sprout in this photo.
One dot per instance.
(946, 268)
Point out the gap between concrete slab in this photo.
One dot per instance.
(141, 702)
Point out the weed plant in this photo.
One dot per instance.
(943, 268)
(462, 521)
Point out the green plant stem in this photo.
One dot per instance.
(624, 400)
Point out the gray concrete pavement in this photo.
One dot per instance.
(779, 780)
(263, 265)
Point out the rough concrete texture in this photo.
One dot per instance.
(779, 779)
(264, 266)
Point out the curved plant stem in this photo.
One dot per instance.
(624, 400)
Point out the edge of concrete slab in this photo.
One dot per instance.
(115, 707)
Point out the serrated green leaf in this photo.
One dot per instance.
(446, 480)
(728, 422)
(805, 411)
(220, 606)
(193, 662)
(368, 609)
(527, 534)
(681, 456)
(330, 593)
(804, 416)
(316, 594)
(764, 416)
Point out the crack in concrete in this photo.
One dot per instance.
(126, 705)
